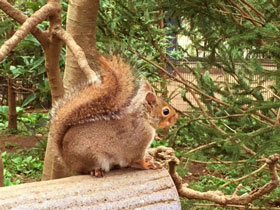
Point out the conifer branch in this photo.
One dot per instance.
(243, 13)
(178, 80)
(261, 16)
(272, 122)
(77, 52)
(248, 150)
(245, 177)
(26, 27)
(226, 12)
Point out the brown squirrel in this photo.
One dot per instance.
(109, 123)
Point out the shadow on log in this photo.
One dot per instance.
(119, 189)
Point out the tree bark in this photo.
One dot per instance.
(1, 165)
(52, 53)
(12, 122)
(120, 189)
(1, 172)
(81, 24)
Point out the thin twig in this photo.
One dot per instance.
(245, 177)
(77, 52)
(242, 12)
(261, 16)
(227, 162)
(202, 147)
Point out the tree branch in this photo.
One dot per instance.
(246, 176)
(18, 16)
(26, 27)
(167, 155)
(182, 81)
(261, 16)
(243, 13)
(77, 52)
(226, 162)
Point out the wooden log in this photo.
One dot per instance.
(118, 189)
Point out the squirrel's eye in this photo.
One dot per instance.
(165, 111)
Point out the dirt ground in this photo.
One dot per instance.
(12, 143)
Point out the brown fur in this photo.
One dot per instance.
(100, 145)
(92, 100)
(109, 124)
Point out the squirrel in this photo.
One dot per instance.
(110, 122)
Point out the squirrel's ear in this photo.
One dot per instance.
(151, 99)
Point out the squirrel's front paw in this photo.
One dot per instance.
(147, 163)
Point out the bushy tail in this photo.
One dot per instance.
(94, 101)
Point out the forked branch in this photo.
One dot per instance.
(18, 16)
(31, 22)
(167, 155)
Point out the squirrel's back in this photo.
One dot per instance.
(95, 101)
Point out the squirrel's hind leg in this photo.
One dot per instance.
(97, 172)
(103, 165)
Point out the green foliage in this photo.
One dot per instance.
(23, 166)
(28, 123)
(244, 112)
(233, 112)
(26, 63)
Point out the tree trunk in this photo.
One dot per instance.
(121, 189)
(1, 172)
(52, 52)
(81, 24)
(1, 165)
(12, 122)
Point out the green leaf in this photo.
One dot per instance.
(17, 160)
(28, 159)
(37, 63)
(29, 99)
(4, 110)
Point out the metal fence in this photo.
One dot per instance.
(216, 74)
(218, 77)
